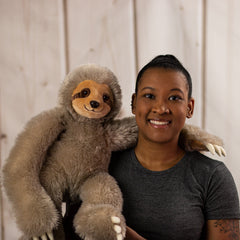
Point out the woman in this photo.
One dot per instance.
(168, 193)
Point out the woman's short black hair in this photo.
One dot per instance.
(167, 62)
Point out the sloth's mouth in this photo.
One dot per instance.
(92, 109)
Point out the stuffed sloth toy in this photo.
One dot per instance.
(68, 149)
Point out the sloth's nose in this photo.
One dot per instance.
(94, 104)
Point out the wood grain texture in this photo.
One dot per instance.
(222, 78)
(30, 68)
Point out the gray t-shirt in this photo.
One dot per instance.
(175, 203)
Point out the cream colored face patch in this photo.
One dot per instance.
(91, 99)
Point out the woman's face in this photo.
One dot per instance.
(161, 105)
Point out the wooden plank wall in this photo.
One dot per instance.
(42, 40)
(222, 77)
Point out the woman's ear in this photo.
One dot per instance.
(133, 104)
(190, 108)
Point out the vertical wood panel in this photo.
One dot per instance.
(30, 69)
(223, 85)
(35, 56)
(173, 27)
(101, 31)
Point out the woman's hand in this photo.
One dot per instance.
(132, 235)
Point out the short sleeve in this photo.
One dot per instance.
(222, 200)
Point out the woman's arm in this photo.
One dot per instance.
(132, 235)
(224, 229)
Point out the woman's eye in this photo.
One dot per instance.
(175, 98)
(149, 95)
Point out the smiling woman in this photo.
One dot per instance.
(170, 193)
(161, 105)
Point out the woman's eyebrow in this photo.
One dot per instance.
(151, 88)
(172, 90)
(177, 89)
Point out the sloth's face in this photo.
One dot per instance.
(92, 100)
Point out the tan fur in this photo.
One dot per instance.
(82, 104)
(192, 138)
(61, 151)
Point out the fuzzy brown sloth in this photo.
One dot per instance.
(68, 149)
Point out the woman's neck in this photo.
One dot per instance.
(158, 156)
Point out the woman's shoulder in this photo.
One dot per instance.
(202, 160)
(200, 163)
(213, 176)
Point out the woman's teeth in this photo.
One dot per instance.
(159, 122)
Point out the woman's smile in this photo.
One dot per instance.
(161, 104)
(159, 123)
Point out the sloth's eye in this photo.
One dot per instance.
(85, 92)
(105, 98)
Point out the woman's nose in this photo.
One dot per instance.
(161, 108)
